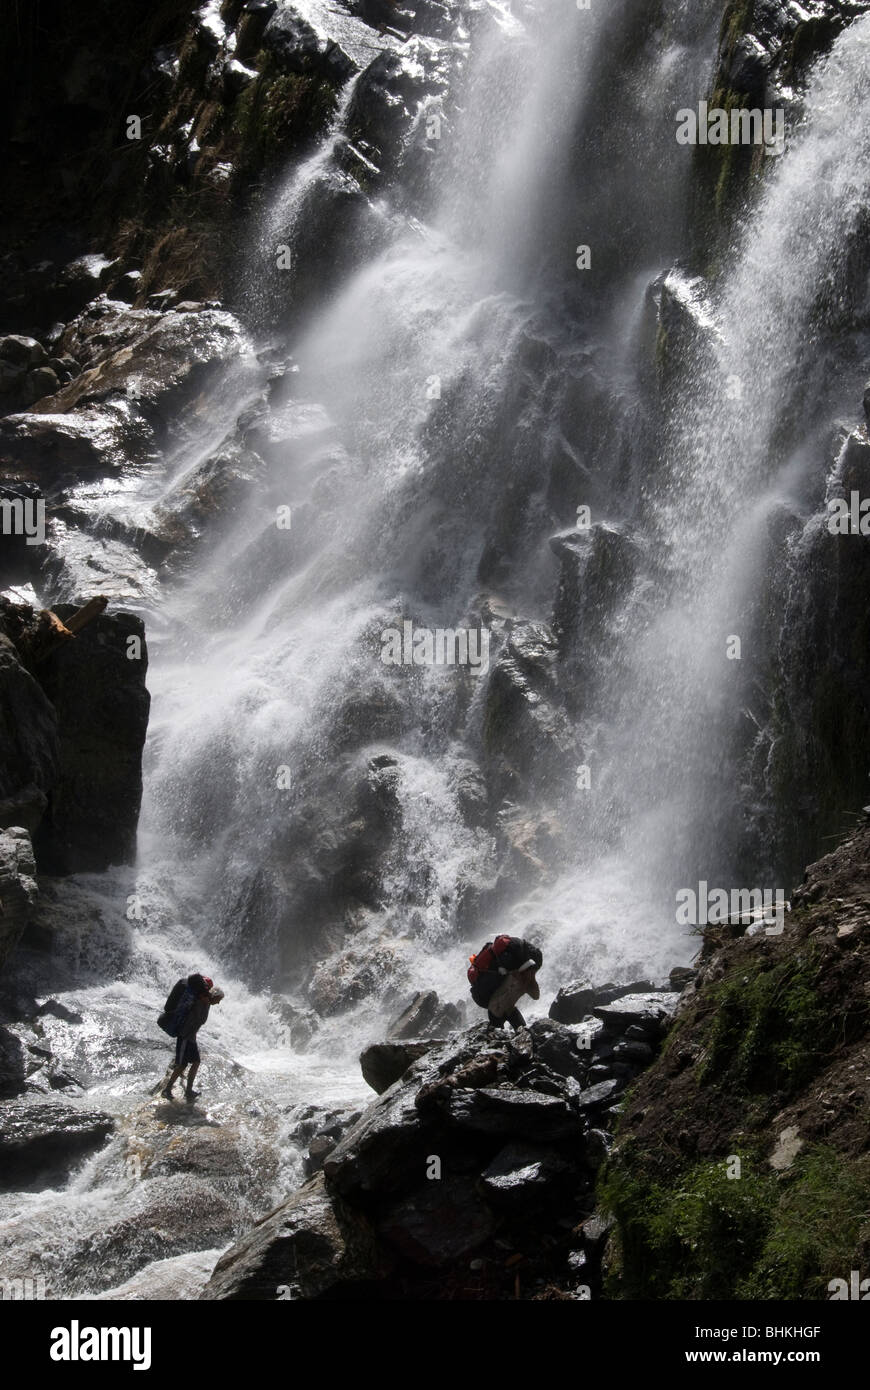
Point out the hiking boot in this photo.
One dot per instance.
(191, 1096)
(167, 1093)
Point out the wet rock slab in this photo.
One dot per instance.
(17, 887)
(39, 1141)
(649, 1012)
(307, 1247)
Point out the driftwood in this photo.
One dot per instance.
(52, 631)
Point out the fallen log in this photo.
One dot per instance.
(52, 631)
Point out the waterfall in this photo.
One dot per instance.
(426, 414)
(328, 832)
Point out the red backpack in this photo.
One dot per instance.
(487, 958)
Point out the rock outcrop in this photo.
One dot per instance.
(475, 1168)
(741, 1168)
(41, 1142)
(96, 684)
(28, 731)
(17, 887)
(76, 716)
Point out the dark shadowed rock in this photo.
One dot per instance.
(681, 976)
(597, 1144)
(597, 1096)
(425, 1017)
(311, 1245)
(21, 351)
(17, 887)
(573, 1003)
(102, 707)
(631, 1050)
(512, 1111)
(648, 1011)
(13, 1064)
(386, 1145)
(555, 1046)
(443, 1221)
(37, 1142)
(384, 1063)
(25, 809)
(526, 730)
(520, 1174)
(296, 46)
(28, 735)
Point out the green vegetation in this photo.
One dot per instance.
(276, 113)
(735, 23)
(762, 1235)
(771, 1028)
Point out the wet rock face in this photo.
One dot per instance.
(40, 1142)
(311, 1245)
(384, 1063)
(17, 887)
(73, 721)
(526, 732)
(765, 51)
(98, 691)
(28, 734)
(425, 1017)
(159, 359)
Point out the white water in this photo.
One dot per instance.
(394, 495)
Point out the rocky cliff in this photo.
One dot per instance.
(707, 1140)
(741, 1168)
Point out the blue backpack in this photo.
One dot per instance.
(177, 1008)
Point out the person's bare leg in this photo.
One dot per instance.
(167, 1089)
(194, 1068)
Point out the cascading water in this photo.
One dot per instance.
(310, 811)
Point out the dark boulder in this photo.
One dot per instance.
(96, 683)
(578, 1000)
(573, 1003)
(526, 730)
(387, 1146)
(40, 382)
(597, 1096)
(650, 1011)
(28, 735)
(512, 1111)
(39, 1142)
(295, 46)
(384, 1063)
(13, 1064)
(556, 1047)
(22, 351)
(631, 1050)
(17, 887)
(440, 1223)
(681, 976)
(309, 1247)
(425, 1017)
(522, 1174)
